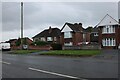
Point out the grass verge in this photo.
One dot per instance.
(24, 51)
(72, 52)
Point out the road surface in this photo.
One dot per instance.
(39, 66)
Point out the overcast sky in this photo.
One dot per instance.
(39, 16)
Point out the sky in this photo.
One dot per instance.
(41, 15)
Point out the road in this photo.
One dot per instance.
(37, 66)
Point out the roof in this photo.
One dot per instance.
(11, 40)
(75, 27)
(95, 29)
(107, 20)
(51, 32)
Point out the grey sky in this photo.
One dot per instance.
(39, 16)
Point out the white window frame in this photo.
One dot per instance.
(108, 42)
(68, 44)
(55, 38)
(67, 34)
(95, 34)
(108, 29)
(42, 38)
(49, 39)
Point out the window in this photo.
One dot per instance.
(108, 29)
(36, 39)
(42, 39)
(68, 44)
(55, 39)
(67, 35)
(95, 34)
(108, 42)
(49, 38)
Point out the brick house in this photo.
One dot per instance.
(109, 32)
(73, 35)
(12, 42)
(16, 43)
(48, 35)
(94, 35)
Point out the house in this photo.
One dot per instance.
(26, 41)
(94, 35)
(12, 42)
(48, 35)
(16, 43)
(73, 34)
(109, 32)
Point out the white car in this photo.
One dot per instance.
(119, 46)
(5, 46)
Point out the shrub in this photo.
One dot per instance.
(56, 46)
(40, 43)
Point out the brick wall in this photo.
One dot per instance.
(32, 47)
(78, 38)
(115, 35)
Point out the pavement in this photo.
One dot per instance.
(30, 66)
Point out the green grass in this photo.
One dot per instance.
(24, 51)
(72, 52)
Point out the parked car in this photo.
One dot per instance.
(5, 46)
(119, 46)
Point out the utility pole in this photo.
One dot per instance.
(21, 25)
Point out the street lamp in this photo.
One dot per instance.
(21, 25)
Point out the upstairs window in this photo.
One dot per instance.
(108, 29)
(67, 35)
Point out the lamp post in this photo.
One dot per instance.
(21, 25)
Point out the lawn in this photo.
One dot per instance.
(72, 52)
(24, 51)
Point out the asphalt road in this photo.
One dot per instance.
(36, 66)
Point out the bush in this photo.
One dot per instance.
(40, 43)
(56, 46)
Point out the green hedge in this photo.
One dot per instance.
(56, 46)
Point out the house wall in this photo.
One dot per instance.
(119, 34)
(94, 38)
(29, 41)
(57, 39)
(78, 38)
(115, 35)
(62, 38)
(87, 37)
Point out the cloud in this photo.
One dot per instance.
(41, 15)
(119, 10)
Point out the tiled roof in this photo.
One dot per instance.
(51, 32)
(75, 27)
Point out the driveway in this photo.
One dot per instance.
(110, 54)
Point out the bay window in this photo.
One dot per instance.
(108, 42)
(108, 29)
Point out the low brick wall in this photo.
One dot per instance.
(71, 47)
(32, 47)
(89, 46)
(40, 47)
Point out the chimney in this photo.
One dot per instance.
(80, 24)
(75, 24)
(50, 29)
